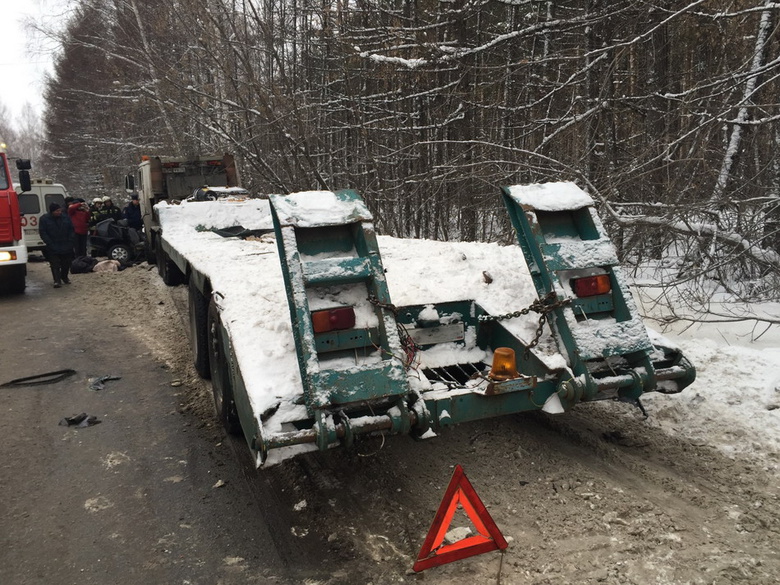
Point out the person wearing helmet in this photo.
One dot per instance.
(104, 212)
(95, 210)
(110, 211)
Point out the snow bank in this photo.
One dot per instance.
(734, 404)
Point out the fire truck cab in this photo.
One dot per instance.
(13, 252)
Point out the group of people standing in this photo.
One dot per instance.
(66, 230)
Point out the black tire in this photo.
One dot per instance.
(198, 309)
(169, 272)
(120, 252)
(221, 383)
(149, 252)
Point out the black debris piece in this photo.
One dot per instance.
(79, 421)
(40, 379)
(99, 383)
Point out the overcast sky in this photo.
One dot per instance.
(26, 57)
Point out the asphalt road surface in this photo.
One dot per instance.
(148, 495)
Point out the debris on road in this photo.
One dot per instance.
(40, 379)
(79, 421)
(99, 382)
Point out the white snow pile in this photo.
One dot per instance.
(205, 215)
(325, 207)
(734, 404)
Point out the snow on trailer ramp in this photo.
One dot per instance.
(550, 196)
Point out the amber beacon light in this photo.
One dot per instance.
(504, 365)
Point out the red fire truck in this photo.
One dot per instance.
(13, 252)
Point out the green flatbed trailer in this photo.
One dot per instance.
(330, 258)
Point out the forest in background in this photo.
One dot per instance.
(664, 111)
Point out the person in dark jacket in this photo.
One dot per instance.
(110, 211)
(132, 213)
(79, 216)
(57, 233)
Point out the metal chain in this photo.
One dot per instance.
(389, 306)
(407, 343)
(543, 306)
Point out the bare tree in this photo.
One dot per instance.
(665, 111)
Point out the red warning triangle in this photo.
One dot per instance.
(489, 537)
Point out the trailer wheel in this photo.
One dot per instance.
(198, 309)
(219, 364)
(149, 252)
(167, 269)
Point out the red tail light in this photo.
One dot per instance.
(591, 286)
(333, 319)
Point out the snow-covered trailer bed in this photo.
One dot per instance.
(311, 338)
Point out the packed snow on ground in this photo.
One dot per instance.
(734, 404)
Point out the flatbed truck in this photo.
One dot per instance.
(175, 178)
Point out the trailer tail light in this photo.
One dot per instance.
(590, 286)
(214, 163)
(333, 319)
(504, 365)
(6, 256)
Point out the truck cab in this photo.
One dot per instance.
(160, 178)
(34, 203)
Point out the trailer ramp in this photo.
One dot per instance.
(347, 341)
(595, 322)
